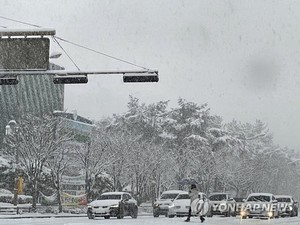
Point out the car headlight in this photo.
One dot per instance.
(114, 206)
(155, 205)
(270, 214)
(171, 205)
(89, 206)
(291, 208)
(243, 213)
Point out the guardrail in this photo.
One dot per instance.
(14, 209)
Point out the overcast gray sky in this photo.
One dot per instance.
(240, 57)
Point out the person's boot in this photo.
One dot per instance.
(202, 219)
(187, 220)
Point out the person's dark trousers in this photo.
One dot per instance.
(189, 215)
(202, 219)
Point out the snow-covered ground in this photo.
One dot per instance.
(148, 220)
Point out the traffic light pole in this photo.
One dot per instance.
(10, 77)
(7, 73)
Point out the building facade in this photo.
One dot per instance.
(33, 94)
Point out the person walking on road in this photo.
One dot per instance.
(193, 193)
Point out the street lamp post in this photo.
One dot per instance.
(12, 129)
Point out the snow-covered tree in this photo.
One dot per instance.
(94, 157)
(37, 140)
(57, 165)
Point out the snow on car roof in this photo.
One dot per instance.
(174, 191)
(115, 193)
(256, 194)
(183, 192)
(219, 193)
(283, 196)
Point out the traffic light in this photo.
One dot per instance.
(9, 80)
(140, 77)
(70, 79)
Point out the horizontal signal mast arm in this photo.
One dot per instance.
(63, 72)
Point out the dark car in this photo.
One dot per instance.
(287, 205)
(239, 204)
(222, 204)
(113, 204)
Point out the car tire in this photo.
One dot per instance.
(120, 216)
(250, 217)
(171, 216)
(134, 213)
(106, 217)
(155, 215)
(227, 214)
(244, 217)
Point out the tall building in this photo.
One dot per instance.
(33, 94)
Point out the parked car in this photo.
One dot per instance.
(239, 201)
(260, 205)
(222, 204)
(182, 203)
(287, 206)
(113, 204)
(165, 205)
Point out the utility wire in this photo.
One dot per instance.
(54, 39)
(78, 45)
(3, 26)
(101, 53)
(18, 21)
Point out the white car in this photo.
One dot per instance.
(113, 204)
(165, 205)
(182, 203)
(260, 205)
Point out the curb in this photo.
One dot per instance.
(40, 216)
(49, 216)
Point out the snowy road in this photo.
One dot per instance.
(147, 220)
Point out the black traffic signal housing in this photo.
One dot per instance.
(9, 80)
(140, 77)
(70, 79)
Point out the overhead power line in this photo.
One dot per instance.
(18, 21)
(101, 53)
(55, 39)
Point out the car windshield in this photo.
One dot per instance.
(259, 198)
(169, 196)
(109, 197)
(183, 196)
(283, 199)
(239, 199)
(218, 197)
